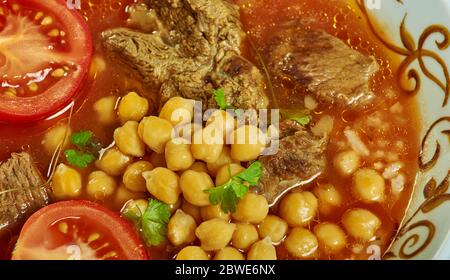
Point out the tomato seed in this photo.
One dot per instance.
(39, 15)
(63, 227)
(108, 255)
(58, 73)
(11, 92)
(47, 20)
(33, 87)
(93, 237)
(54, 33)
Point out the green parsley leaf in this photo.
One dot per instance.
(302, 120)
(88, 149)
(219, 96)
(302, 117)
(229, 194)
(152, 224)
(79, 158)
(251, 174)
(81, 138)
(239, 189)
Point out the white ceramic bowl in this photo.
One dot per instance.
(418, 31)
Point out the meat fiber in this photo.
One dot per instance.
(299, 160)
(22, 190)
(322, 64)
(196, 49)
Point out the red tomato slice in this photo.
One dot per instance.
(78, 230)
(36, 38)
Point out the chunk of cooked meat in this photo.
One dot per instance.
(322, 64)
(299, 160)
(197, 49)
(21, 190)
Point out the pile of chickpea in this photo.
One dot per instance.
(146, 160)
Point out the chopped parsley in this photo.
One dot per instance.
(302, 117)
(88, 148)
(152, 224)
(302, 120)
(229, 194)
(221, 100)
(79, 158)
(82, 138)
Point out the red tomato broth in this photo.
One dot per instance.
(259, 19)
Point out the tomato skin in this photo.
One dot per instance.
(60, 94)
(34, 231)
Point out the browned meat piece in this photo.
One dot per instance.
(299, 160)
(22, 190)
(196, 50)
(242, 81)
(322, 64)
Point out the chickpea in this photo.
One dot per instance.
(331, 237)
(186, 131)
(132, 107)
(213, 211)
(66, 182)
(178, 110)
(224, 159)
(252, 208)
(223, 120)
(113, 162)
(298, 209)
(192, 253)
(57, 136)
(262, 250)
(244, 236)
(178, 155)
(329, 198)
(105, 108)
(368, 185)
(100, 185)
(123, 195)
(181, 228)
(199, 166)
(158, 160)
(226, 172)
(137, 206)
(360, 223)
(206, 147)
(346, 163)
(163, 184)
(301, 243)
(215, 234)
(155, 132)
(132, 178)
(274, 227)
(248, 143)
(193, 185)
(128, 141)
(229, 254)
(192, 210)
